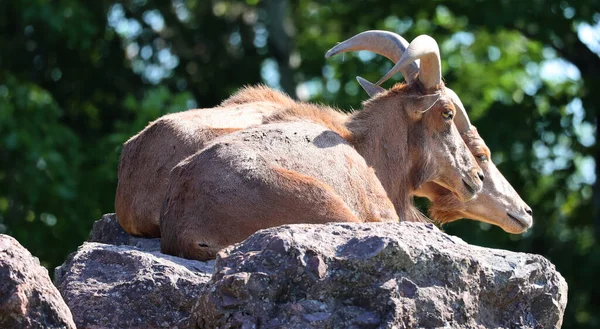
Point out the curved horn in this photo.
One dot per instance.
(426, 49)
(384, 43)
(461, 120)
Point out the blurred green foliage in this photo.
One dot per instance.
(77, 79)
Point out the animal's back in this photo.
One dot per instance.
(258, 93)
(267, 176)
(148, 157)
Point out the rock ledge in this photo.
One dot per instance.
(378, 275)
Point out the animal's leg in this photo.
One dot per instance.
(285, 197)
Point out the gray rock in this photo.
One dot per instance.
(108, 230)
(128, 283)
(378, 275)
(28, 299)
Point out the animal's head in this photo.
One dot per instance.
(435, 146)
(498, 203)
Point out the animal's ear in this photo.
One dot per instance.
(371, 88)
(422, 105)
(462, 118)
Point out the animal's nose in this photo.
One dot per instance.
(480, 175)
(529, 211)
(474, 180)
(477, 176)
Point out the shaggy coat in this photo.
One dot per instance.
(274, 175)
(148, 157)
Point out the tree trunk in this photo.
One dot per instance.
(279, 43)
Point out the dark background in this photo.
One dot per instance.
(77, 78)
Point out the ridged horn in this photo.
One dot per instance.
(426, 49)
(384, 43)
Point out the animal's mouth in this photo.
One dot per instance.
(464, 195)
(519, 220)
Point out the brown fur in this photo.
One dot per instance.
(445, 206)
(326, 116)
(496, 198)
(148, 157)
(493, 204)
(240, 182)
(392, 133)
(361, 124)
(258, 93)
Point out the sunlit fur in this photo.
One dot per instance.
(258, 93)
(400, 134)
(494, 202)
(138, 207)
(271, 175)
(489, 207)
(405, 147)
(148, 157)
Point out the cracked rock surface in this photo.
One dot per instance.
(28, 299)
(126, 283)
(377, 275)
(338, 275)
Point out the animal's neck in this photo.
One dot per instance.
(381, 137)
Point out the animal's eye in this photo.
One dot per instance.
(482, 157)
(448, 114)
